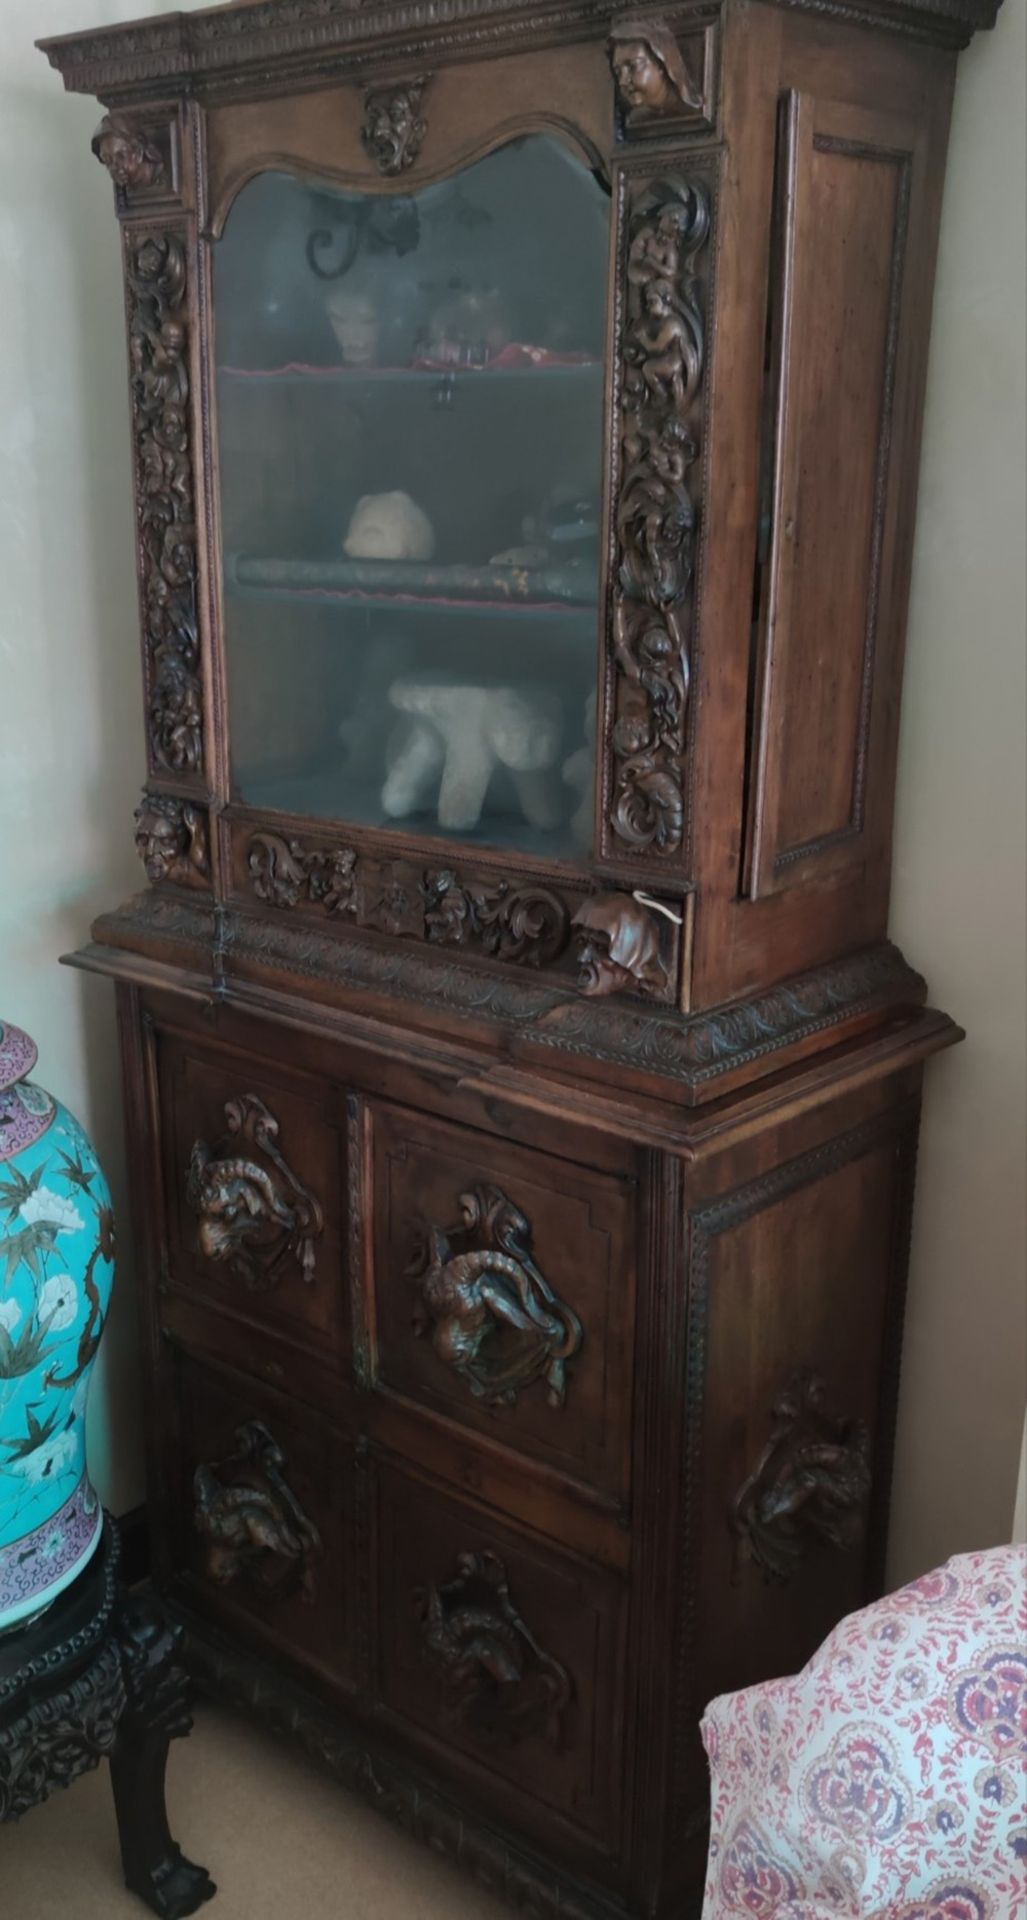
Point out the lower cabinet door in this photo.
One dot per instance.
(259, 1526)
(501, 1651)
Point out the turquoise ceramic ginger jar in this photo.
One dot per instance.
(56, 1272)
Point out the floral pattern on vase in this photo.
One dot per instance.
(56, 1274)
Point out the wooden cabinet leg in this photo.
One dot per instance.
(156, 1712)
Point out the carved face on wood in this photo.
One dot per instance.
(650, 73)
(393, 130)
(618, 946)
(171, 840)
(130, 159)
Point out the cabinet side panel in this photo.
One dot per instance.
(842, 277)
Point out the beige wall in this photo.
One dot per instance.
(958, 906)
(71, 761)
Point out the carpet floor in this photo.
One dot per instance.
(281, 1840)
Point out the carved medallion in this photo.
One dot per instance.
(253, 1213)
(251, 1521)
(653, 80)
(618, 946)
(132, 159)
(171, 840)
(494, 1321)
(810, 1484)
(498, 1679)
(662, 356)
(155, 270)
(393, 128)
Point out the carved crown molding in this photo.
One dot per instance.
(194, 52)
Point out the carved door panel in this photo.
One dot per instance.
(261, 1522)
(255, 1174)
(503, 1293)
(842, 364)
(503, 1652)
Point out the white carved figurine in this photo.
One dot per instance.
(577, 772)
(457, 734)
(389, 526)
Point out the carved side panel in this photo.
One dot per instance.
(158, 344)
(660, 358)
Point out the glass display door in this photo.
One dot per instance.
(410, 400)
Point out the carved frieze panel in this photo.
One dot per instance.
(394, 127)
(494, 1321)
(252, 1524)
(252, 1211)
(521, 922)
(498, 1680)
(664, 231)
(172, 840)
(663, 81)
(810, 1484)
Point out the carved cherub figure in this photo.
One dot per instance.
(618, 946)
(651, 75)
(670, 363)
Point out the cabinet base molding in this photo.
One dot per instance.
(363, 1764)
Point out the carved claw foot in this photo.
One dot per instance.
(174, 1887)
(156, 1712)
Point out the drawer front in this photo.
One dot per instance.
(503, 1291)
(255, 1179)
(258, 1519)
(503, 1653)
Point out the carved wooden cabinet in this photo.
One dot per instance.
(522, 1090)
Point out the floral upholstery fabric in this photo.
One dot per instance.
(886, 1781)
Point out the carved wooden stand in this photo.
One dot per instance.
(98, 1675)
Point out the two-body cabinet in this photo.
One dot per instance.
(522, 1090)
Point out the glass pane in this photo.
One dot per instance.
(410, 411)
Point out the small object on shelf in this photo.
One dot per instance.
(468, 330)
(355, 323)
(459, 733)
(577, 773)
(389, 526)
(57, 1246)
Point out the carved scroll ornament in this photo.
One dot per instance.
(253, 1212)
(499, 1680)
(653, 82)
(495, 1322)
(171, 840)
(251, 1521)
(809, 1485)
(393, 128)
(132, 160)
(155, 269)
(663, 350)
(618, 946)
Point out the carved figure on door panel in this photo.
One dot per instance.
(251, 1520)
(495, 1321)
(499, 1680)
(251, 1215)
